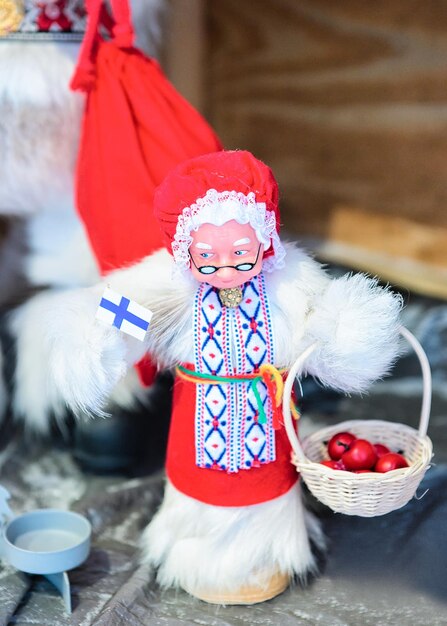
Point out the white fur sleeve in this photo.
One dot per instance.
(355, 322)
(86, 358)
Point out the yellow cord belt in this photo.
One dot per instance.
(268, 374)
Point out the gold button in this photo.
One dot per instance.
(231, 297)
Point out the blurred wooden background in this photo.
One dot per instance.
(347, 102)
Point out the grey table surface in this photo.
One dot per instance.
(383, 571)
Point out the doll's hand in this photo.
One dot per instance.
(86, 358)
(356, 324)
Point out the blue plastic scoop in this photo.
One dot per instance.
(46, 541)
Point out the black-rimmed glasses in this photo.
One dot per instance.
(241, 267)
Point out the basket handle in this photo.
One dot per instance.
(297, 367)
(426, 379)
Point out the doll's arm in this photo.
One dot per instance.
(355, 322)
(64, 351)
(34, 326)
(86, 358)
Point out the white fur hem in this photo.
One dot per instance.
(206, 547)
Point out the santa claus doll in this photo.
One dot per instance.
(232, 307)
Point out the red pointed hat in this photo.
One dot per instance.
(216, 188)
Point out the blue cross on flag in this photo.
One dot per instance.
(126, 315)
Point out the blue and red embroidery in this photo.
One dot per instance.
(228, 342)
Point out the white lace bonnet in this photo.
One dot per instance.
(219, 207)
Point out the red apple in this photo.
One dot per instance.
(339, 444)
(381, 449)
(363, 471)
(337, 465)
(361, 455)
(389, 462)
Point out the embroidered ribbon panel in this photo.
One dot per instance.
(231, 341)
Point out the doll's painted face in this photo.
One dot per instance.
(225, 256)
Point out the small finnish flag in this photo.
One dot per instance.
(127, 315)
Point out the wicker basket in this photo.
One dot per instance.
(367, 494)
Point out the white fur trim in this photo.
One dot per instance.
(151, 284)
(356, 323)
(65, 358)
(219, 207)
(200, 546)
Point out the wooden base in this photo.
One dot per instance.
(248, 594)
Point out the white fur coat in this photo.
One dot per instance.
(353, 319)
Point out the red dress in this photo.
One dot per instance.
(213, 486)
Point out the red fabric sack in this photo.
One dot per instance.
(136, 128)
